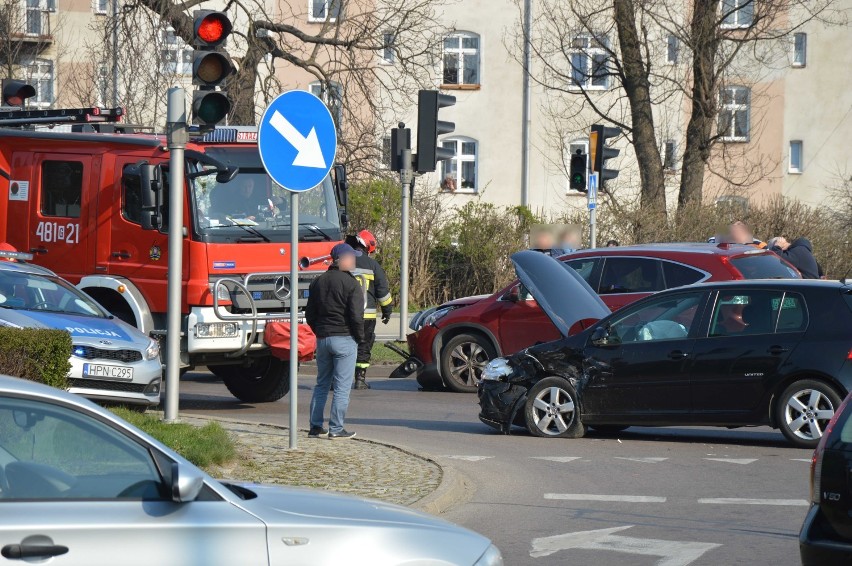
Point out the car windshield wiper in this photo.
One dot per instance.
(250, 229)
(317, 233)
(316, 230)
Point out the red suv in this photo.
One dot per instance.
(453, 342)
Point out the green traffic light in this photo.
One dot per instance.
(211, 107)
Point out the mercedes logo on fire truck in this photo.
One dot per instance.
(281, 288)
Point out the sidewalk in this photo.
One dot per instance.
(356, 467)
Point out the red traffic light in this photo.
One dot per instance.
(16, 92)
(211, 28)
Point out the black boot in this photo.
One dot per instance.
(361, 379)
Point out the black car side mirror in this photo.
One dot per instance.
(600, 337)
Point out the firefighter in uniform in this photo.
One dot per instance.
(374, 282)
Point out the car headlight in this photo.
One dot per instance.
(153, 350)
(492, 557)
(436, 316)
(221, 290)
(497, 370)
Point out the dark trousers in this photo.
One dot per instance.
(365, 347)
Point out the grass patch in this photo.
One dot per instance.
(381, 355)
(203, 446)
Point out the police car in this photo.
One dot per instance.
(111, 361)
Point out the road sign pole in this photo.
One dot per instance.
(592, 196)
(177, 136)
(294, 319)
(593, 227)
(406, 177)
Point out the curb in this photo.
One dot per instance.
(455, 487)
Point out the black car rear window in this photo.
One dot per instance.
(763, 266)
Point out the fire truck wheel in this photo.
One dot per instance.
(265, 380)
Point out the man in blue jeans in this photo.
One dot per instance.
(335, 313)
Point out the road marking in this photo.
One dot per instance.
(560, 459)
(615, 498)
(741, 461)
(468, 458)
(808, 460)
(747, 501)
(643, 460)
(671, 552)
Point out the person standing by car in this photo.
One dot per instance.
(335, 312)
(799, 253)
(738, 233)
(376, 288)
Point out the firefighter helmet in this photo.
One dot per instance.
(367, 240)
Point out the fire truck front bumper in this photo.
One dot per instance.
(207, 333)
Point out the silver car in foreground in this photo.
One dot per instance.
(110, 360)
(79, 486)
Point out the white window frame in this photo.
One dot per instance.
(458, 159)
(172, 43)
(328, 4)
(672, 44)
(800, 50)
(592, 46)
(734, 11)
(41, 74)
(573, 146)
(733, 107)
(321, 91)
(460, 52)
(98, 10)
(796, 168)
(39, 9)
(670, 159)
(387, 55)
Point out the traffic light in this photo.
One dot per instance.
(16, 92)
(429, 102)
(210, 67)
(578, 171)
(600, 153)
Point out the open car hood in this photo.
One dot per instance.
(561, 293)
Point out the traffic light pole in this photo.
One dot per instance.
(406, 180)
(177, 136)
(294, 319)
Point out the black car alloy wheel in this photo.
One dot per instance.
(552, 410)
(804, 410)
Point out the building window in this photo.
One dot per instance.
(737, 13)
(672, 49)
(796, 156)
(40, 75)
(459, 173)
(800, 49)
(175, 56)
(386, 152)
(100, 6)
(670, 156)
(734, 113)
(331, 93)
(387, 53)
(61, 188)
(324, 10)
(37, 21)
(589, 59)
(461, 59)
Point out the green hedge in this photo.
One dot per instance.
(36, 354)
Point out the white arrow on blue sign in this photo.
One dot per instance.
(297, 140)
(593, 191)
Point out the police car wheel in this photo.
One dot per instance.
(265, 380)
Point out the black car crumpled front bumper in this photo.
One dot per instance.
(501, 404)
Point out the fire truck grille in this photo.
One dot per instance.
(270, 292)
(107, 385)
(92, 353)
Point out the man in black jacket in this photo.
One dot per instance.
(799, 253)
(335, 312)
(377, 296)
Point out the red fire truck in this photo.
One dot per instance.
(91, 203)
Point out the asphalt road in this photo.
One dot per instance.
(666, 497)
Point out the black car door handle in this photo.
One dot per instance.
(20, 551)
(776, 350)
(678, 355)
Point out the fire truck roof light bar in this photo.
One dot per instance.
(60, 115)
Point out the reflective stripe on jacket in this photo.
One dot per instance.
(375, 284)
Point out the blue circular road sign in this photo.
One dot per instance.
(297, 140)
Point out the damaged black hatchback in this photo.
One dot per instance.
(743, 353)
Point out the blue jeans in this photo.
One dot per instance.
(336, 357)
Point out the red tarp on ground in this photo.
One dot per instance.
(277, 337)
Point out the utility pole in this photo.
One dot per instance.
(525, 113)
(406, 181)
(177, 136)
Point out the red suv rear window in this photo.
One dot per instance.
(763, 266)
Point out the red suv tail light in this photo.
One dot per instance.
(816, 459)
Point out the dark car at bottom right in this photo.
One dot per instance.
(826, 536)
(729, 354)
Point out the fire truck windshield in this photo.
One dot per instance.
(252, 207)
